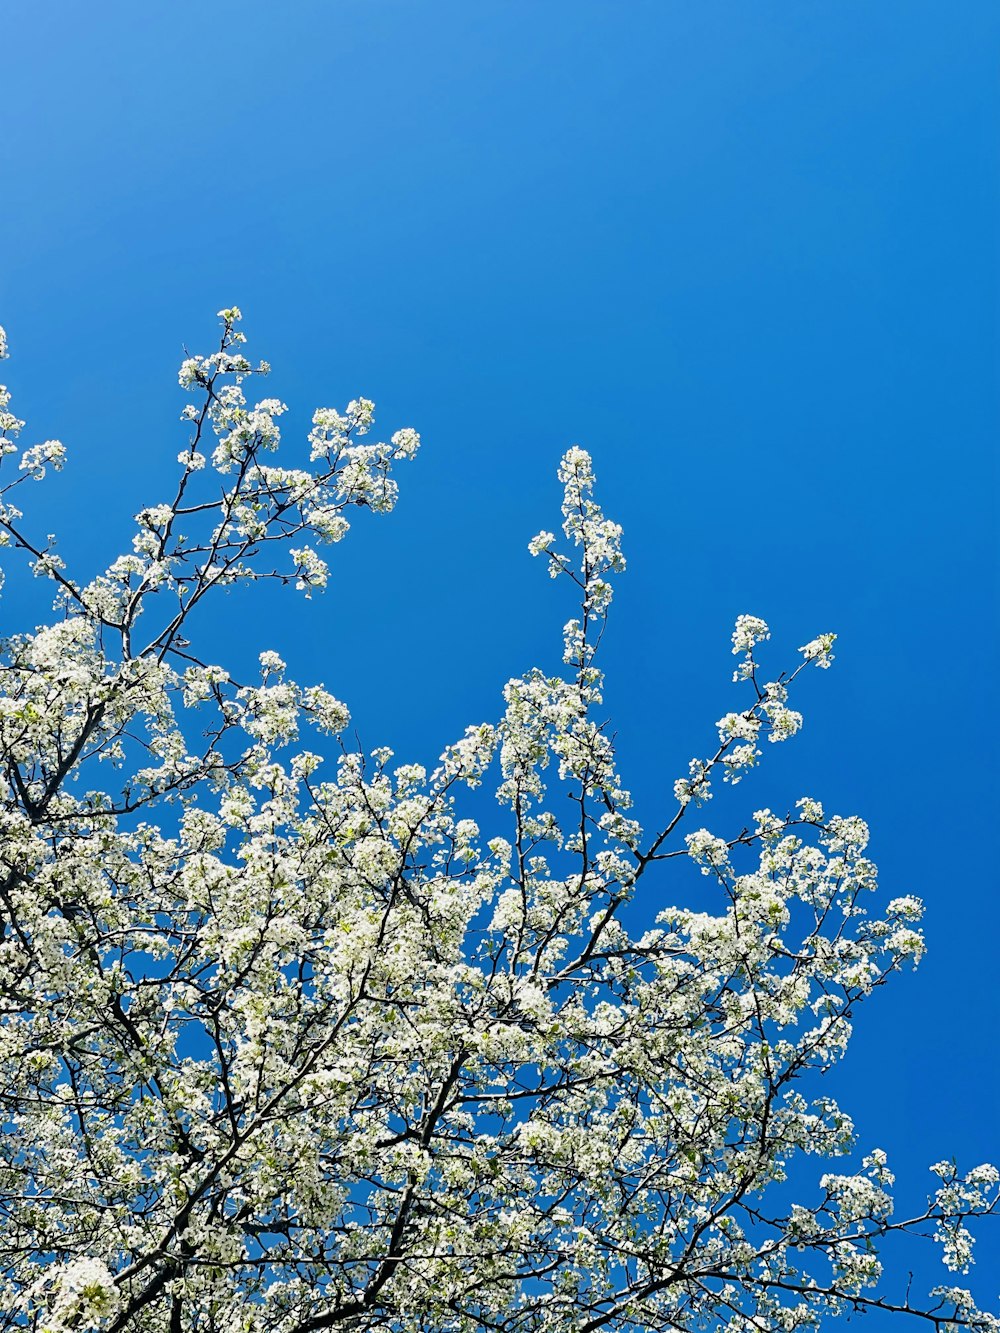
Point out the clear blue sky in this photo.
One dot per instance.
(744, 253)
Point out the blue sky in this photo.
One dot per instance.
(745, 254)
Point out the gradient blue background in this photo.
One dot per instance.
(744, 253)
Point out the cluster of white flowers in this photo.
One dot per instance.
(311, 571)
(74, 1296)
(958, 1198)
(10, 425)
(35, 459)
(292, 1044)
(328, 523)
(749, 631)
(709, 851)
(784, 721)
(856, 1198)
(818, 650)
(697, 785)
(739, 733)
(541, 543)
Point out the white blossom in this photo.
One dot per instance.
(76, 1295)
(708, 850)
(818, 650)
(749, 631)
(311, 571)
(35, 459)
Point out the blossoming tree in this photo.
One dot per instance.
(287, 1043)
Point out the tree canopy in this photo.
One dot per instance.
(296, 1037)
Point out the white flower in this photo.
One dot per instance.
(811, 811)
(405, 442)
(329, 714)
(311, 571)
(818, 650)
(538, 545)
(34, 460)
(785, 722)
(749, 631)
(193, 371)
(738, 726)
(328, 523)
(271, 663)
(78, 1295)
(708, 850)
(155, 517)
